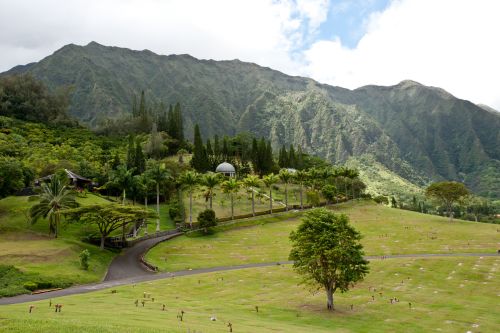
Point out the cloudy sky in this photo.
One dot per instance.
(453, 44)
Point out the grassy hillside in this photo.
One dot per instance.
(452, 295)
(385, 231)
(39, 258)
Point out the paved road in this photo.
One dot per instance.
(157, 276)
(128, 264)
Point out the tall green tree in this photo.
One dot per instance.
(301, 177)
(252, 182)
(447, 193)
(269, 181)
(157, 172)
(231, 186)
(189, 180)
(54, 197)
(286, 177)
(122, 178)
(210, 180)
(199, 160)
(327, 252)
(139, 158)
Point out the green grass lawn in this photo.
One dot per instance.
(43, 258)
(385, 231)
(450, 295)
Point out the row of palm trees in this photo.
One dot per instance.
(315, 179)
(56, 195)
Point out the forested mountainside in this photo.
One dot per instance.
(418, 132)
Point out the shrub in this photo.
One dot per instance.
(30, 285)
(84, 259)
(207, 220)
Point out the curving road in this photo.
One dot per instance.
(150, 276)
(128, 263)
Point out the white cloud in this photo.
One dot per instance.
(448, 43)
(262, 31)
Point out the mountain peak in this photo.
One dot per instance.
(408, 83)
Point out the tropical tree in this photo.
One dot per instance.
(301, 177)
(189, 180)
(286, 177)
(108, 217)
(121, 178)
(54, 197)
(327, 251)
(269, 180)
(447, 193)
(231, 186)
(157, 172)
(251, 182)
(210, 180)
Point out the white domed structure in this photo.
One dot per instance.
(226, 169)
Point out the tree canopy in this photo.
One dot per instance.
(447, 193)
(327, 252)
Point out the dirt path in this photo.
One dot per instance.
(150, 276)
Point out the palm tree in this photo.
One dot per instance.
(122, 178)
(269, 181)
(189, 180)
(210, 181)
(251, 182)
(301, 176)
(157, 172)
(54, 197)
(285, 176)
(231, 186)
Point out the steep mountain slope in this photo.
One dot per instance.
(418, 132)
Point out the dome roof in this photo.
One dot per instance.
(225, 167)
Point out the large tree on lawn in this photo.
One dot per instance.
(447, 193)
(108, 217)
(327, 252)
(54, 197)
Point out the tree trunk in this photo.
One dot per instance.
(191, 210)
(123, 235)
(329, 298)
(301, 202)
(124, 194)
(232, 206)
(210, 199)
(271, 200)
(102, 242)
(286, 197)
(56, 231)
(253, 203)
(158, 207)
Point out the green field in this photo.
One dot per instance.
(40, 258)
(385, 231)
(452, 295)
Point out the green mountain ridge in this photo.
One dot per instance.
(420, 133)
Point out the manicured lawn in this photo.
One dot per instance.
(446, 295)
(29, 248)
(385, 231)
